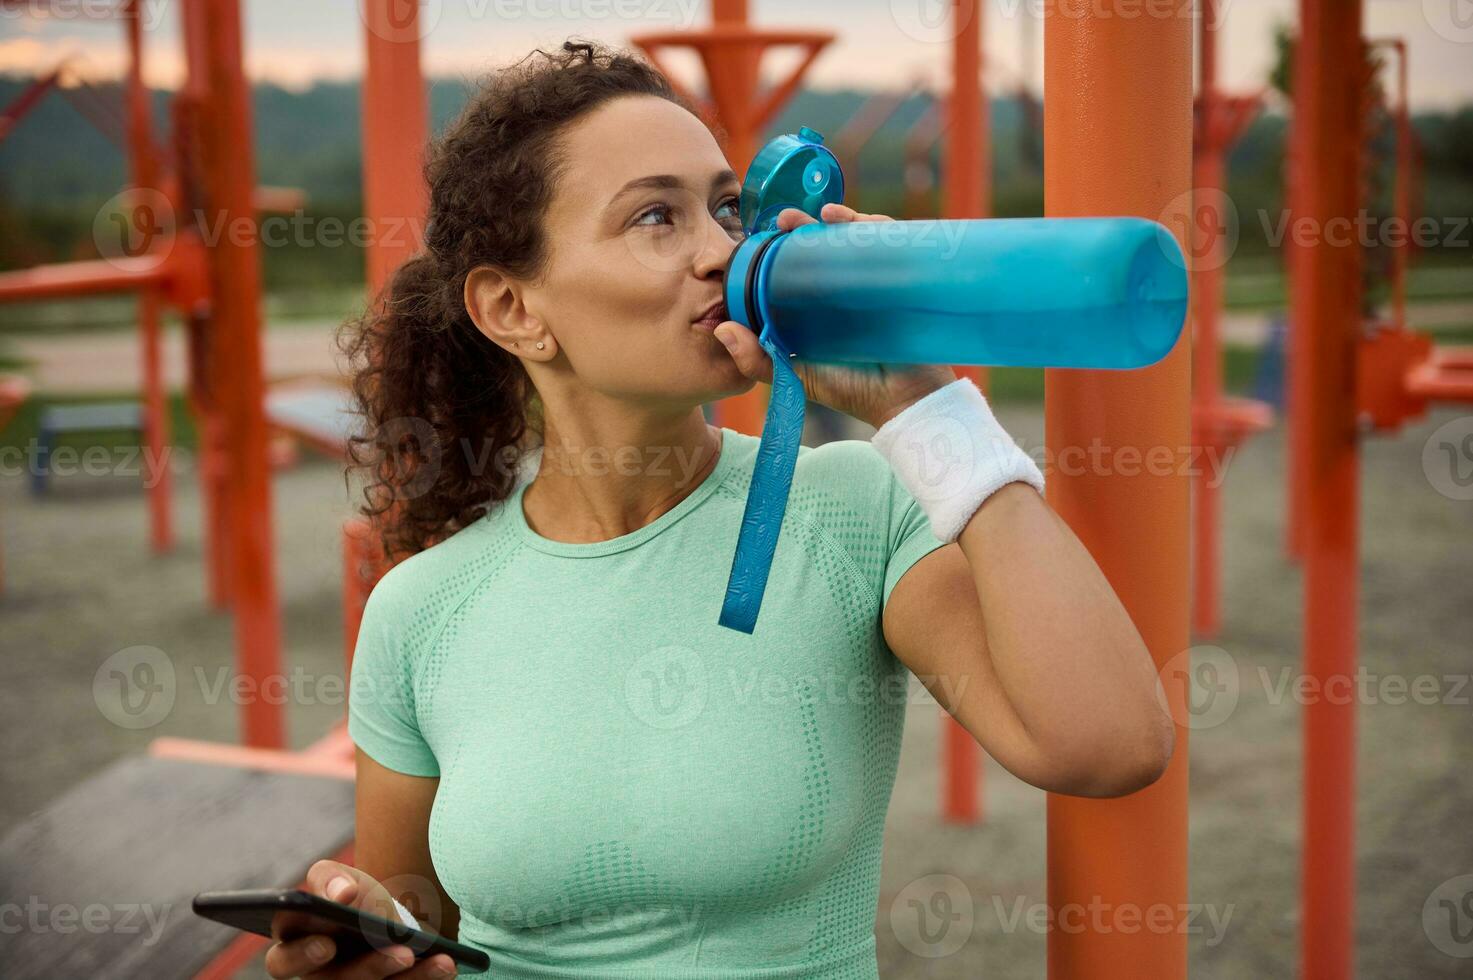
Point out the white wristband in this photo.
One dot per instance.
(951, 453)
(405, 916)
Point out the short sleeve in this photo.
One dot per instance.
(381, 710)
(910, 537)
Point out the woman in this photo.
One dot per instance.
(562, 758)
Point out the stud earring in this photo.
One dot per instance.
(540, 345)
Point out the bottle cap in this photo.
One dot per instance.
(794, 170)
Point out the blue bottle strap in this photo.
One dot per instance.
(767, 497)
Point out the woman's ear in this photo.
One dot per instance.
(496, 304)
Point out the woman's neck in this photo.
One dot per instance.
(600, 481)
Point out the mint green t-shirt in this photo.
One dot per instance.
(628, 789)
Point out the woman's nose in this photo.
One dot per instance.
(716, 248)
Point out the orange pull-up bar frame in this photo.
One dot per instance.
(1118, 141)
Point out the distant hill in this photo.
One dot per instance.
(56, 168)
(310, 139)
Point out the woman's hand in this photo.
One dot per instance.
(872, 393)
(310, 956)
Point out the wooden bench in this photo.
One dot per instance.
(100, 881)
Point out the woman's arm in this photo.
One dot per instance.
(391, 860)
(392, 842)
(1017, 633)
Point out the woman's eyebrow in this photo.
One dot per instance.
(669, 182)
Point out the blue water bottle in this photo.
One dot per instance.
(1014, 292)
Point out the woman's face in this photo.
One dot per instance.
(639, 230)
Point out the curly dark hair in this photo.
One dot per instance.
(438, 400)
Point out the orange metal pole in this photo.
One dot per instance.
(228, 173)
(1328, 113)
(734, 72)
(395, 129)
(1118, 141)
(965, 192)
(155, 403)
(1207, 296)
(214, 461)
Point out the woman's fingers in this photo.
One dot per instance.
(832, 213)
(299, 956)
(337, 882)
(392, 961)
(310, 956)
(432, 968)
(749, 355)
(790, 218)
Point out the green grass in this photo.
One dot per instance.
(1025, 385)
(1256, 287)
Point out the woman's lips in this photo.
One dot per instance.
(713, 319)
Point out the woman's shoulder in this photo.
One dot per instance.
(430, 578)
(846, 467)
(846, 487)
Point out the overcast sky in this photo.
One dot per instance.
(879, 42)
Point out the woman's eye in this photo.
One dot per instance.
(658, 209)
(729, 210)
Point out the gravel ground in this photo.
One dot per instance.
(81, 586)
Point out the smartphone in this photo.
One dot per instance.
(353, 932)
